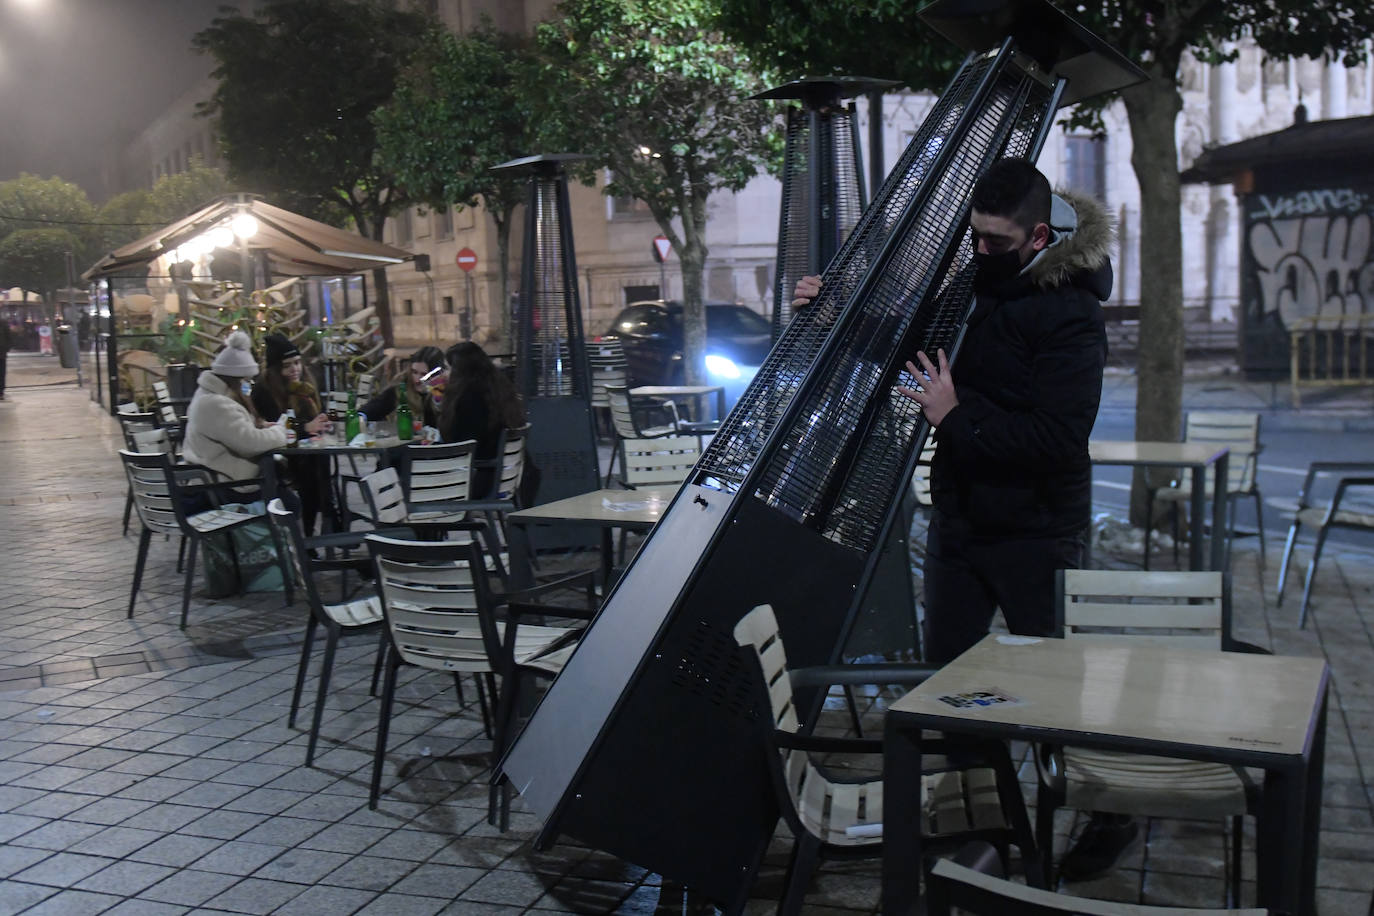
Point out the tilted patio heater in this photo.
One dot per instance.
(550, 358)
(648, 745)
(823, 196)
(822, 179)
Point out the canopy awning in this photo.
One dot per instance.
(295, 245)
(1314, 146)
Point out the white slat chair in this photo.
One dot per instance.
(1239, 431)
(606, 364)
(1351, 507)
(838, 815)
(1181, 609)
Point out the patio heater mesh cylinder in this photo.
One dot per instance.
(551, 361)
(822, 195)
(648, 745)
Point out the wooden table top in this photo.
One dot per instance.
(1103, 451)
(638, 508)
(1149, 693)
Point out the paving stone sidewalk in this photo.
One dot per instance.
(145, 770)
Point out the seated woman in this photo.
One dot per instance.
(223, 432)
(479, 403)
(281, 387)
(421, 395)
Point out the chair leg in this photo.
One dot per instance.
(306, 644)
(1285, 561)
(128, 509)
(1014, 810)
(181, 554)
(331, 643)
(458, 689)
(1149, 525)
(144, 540)
(483, 706)
(1311, 576)
(505, 719)
(383, 649)
(1259, 516)
(1233, 882)
(853, 710)
(383, 727)
(190, 575)
(1044, 832)
(805, 854)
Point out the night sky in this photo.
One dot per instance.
(79, 78)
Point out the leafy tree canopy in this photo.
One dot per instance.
(30, 202)
(175, 196)
(36, 259)
(298, 82)
(654, 92)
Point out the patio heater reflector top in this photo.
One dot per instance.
(821, 90)
(544, 162)
(1046, 34)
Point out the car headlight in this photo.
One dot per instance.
(721, 367)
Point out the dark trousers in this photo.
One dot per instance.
(968, 577)
(4, 358)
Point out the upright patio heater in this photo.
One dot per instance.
(648, 744)
(550, 358)
(822, 179)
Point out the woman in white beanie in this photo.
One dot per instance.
(222, 430)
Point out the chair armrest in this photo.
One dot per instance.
(584, 579)
(222, 485)
(1328, 467)
(826, 745)
(829, 675)
(354, 538)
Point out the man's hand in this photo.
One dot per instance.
(936, 396)
(807, 289)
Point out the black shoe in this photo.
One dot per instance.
(1099, 846)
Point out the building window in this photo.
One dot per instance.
(448, 305)
(1085, 165)
(443, 223)
(408, 306)
(404, 232)
(629, 207)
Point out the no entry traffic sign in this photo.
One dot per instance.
(466, 259)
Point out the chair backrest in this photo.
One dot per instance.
(161, 391)
(366, 383)
(291, 538)
(438, 473)
(135, 421)
(1237, 430)
(336, 401)
(153, 489)
(385, 497)
(920, 477)
(167, 414)
(666, 460)
(606, 360)
(435, 600)
(951, 885)
(150, 440)
(128, 407)
(622, 415)
(1181, 609)
(512, 457)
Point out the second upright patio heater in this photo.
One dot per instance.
(822, 179)
(550, 357)
(648, 745)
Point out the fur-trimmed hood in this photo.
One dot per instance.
(1080, 247)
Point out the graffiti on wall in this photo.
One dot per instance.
(1313, 253)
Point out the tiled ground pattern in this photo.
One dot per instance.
(148, 771)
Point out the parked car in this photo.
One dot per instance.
(737, 340)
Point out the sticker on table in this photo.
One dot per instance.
(972, 699)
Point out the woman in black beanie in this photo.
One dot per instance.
(283, 386)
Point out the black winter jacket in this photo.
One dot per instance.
(1012, 456)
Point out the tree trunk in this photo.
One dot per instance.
(1152, 109)
(692, 256)
(503, 310)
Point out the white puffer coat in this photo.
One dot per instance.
(221, 433)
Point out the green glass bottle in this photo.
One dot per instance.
(352, 426)
(405, 425)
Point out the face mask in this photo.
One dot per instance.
(995, 270)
